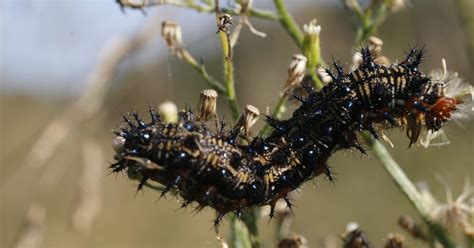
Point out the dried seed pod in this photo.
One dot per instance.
(296, 70)
(295, 241)
(407, 223)
(375, 44)
(207, 105)
(394, 240)
(171, 32)
(246, 120)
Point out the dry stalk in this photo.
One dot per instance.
(89, 200)
(92, 99)
(32, 230)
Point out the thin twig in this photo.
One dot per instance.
(89, 199)
(191, 4)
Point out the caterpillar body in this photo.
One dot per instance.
(212, 168)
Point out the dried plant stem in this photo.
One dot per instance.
(90, 102)
(287, 21)
(89, 199)
(210, 7)
(31, 234)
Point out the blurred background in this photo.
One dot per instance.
(55, 122)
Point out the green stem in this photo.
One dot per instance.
(214, 83)
(287, 21)
(229, 74)
(407, 187)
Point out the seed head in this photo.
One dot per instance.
(246, 120)
(296, 70)
(171, 32)
(375, 45)
(207, 105)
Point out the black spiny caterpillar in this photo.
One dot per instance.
(214, 169)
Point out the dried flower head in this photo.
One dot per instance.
(375, 44)
(353, 237)
(171, 32)
(415, 229)
(246, 120)
(296, 70)
(207, 105)
(454, 213)
(295, 241)
(394, 240)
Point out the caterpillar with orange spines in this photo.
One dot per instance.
(228, 171)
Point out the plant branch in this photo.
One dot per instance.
(224, 37)
(203, 8)
(287, 21)
(407, 187)
(199, 66)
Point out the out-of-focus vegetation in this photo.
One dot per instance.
(362, 193)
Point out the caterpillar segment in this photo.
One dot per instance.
(230, 171)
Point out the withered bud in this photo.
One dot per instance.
(295, 241)
(168, 111)
(246, 120)
(394, 240)
(407, 223)
(207, 105)
(356, 60)
(382, 60)
(171, 32)
(354, 237)
(323, 75)
(225, 22)
(375, 44)
(118, 143)
(296, 70)
(396, 5)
